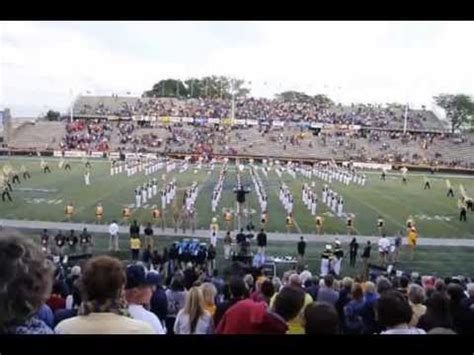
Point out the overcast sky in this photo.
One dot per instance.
(41, 62)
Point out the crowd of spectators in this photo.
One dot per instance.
(387, 116)
(102, 296)
(88, 135)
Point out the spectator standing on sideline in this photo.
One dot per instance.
(193, 318)
(135, 246)
(138, 293)
(365, 259)
(384, 248)
(261, 241)
(301, 248)
(353, 248)
(25, 280)
(227, 245)
(114, 236)
(134, 230)
(103, 310)
(148, 236)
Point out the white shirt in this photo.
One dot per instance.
(138, 312)
(113, 229)
(384, 244)
(103, 323)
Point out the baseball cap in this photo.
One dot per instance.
(136, 277)
(76, 270)
(154, 278)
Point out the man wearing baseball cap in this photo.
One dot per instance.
(138, 292)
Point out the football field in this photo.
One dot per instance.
(44, 197)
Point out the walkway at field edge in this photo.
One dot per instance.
(204, 234)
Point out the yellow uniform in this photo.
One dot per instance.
(126, 213)
(135, 243)
(289, 221)
(412, 237)
(318, 221)
(69, 210)
(227, 216)
(214, 227)
(156, 213)
(99, 211)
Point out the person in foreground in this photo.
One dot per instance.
(103, 310)
(394, 313)
(26, 278)
(193, 318)
(250, 317)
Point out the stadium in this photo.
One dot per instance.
(210, 169)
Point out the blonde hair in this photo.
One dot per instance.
(193, 307)
(209, 292)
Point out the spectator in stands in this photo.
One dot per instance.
(138, 293)
(56, 301)
(103, 308)
(159, 301)
(249, 281)
(469, 302)
(268, 290)
(46, 315)
(403, 289)
(463, 318)
(326, 293)
(321, 319)
(250, 317)
(193, 318)
(209, 293)
(394, 313)
(25, 280)
(312, 287)
(295, 325)
(353, 321)
(238, 291)
(437, 313)
(383, 285)
(175, 295)
(257, 295)
(368, 311)
(344, 297)
(416, 298)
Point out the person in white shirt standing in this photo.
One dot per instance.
(114, 236)
(138, 293)
(384, 248)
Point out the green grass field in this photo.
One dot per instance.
(45, 196)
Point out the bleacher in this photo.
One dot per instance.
(40, 134)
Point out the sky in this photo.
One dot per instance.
(46, 65)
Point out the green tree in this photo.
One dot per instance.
(168, 88)
(459, 109)
(53, 115)
(323, 100)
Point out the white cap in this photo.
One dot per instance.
(76, 270)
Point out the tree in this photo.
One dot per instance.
(323, 100)
(168, 88)
(207, 87)
(53, 115)
(459, 109)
